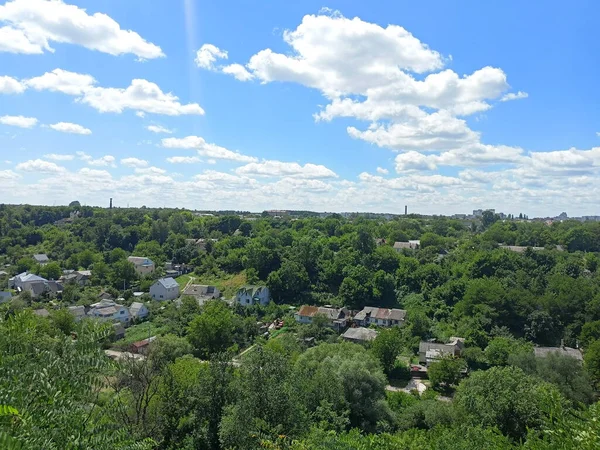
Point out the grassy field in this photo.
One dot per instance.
(227, 284)
(137, 333)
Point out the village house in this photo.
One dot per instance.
(201, 292)
(359, 335)
(104, 296)
(78, 312)
(118, 330)
(138, 311)
(142, 347)
(253, 295)
(5, 296)
(164, 289)
(34, 284)
(382, 317)
(543, 352)
(109, 310)
(143, 266)
(79, 277)
(434, 351)
(410, 245)
(41, 258)
(337, 317)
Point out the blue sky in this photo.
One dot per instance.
(337, 106)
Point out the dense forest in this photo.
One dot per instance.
(214, 379)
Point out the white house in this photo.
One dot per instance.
(35, 284)
(143, 266)
(138, 310)
(382, 317)
(108, 310)
(164, 289)
(253, 295)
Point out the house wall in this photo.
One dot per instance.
(144, 270)
(303, 319)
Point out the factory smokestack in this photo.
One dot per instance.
(405, 210)
(110, 203)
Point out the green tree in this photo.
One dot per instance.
(289, 283)
(386, 347)
(445, 372)
(51, 271)
(507, 398)
(592, 362)
(212, 331)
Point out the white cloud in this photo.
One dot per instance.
(222, 177)
(211, 161)
(382, 171)
(183, 159)
(34, 24)
(60, 80)
(59, 157)
(413, 161)
(73, 128)
(205, 149)
(19, 121)
(207, 55)
(238, 71)
(150, 170)
(39, 165)
(104, 161)
(270, 168)
(140, 96)
(158, 129)
(141, 114)
(9, 85)
(514, 96)
(134, 162)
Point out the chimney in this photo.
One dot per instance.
(405, 210)
(111, 203)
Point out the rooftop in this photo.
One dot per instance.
(168, 283)
(360, 334)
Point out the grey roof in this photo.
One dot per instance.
(5, 295)
(135, 308)
(26, 277)
(37, 288)
(409, 244)
(381, 313)
(542, 352)
(199, 290)
(77, 311)
(360, 334)
(118, 328)
(168, 283)
(251, 289)
(436, 346)
(41, 257)
(140, 261)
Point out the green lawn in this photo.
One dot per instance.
(137, 333)
(227, 284)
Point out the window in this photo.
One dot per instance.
(122, 312)
(161, 296)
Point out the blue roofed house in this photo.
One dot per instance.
(35, 284)
(253, 295)
(164, 289)
(110, 311)
(143, 266)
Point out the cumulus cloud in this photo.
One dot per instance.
(413, 161)
(32, 25)
(150, 170)
(41, 166)
(207, 55)
(270, 168)
(9, 85)
(183, 159)
(134, 162)
(205, 149)
(141, 95)
(104, 161)
(382, 171)
(72, 128)
(19, 121)
(59, 157)
(238, 71)
(514, 96)
(158, 129)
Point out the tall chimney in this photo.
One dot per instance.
(405, 210)
(111, 203)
